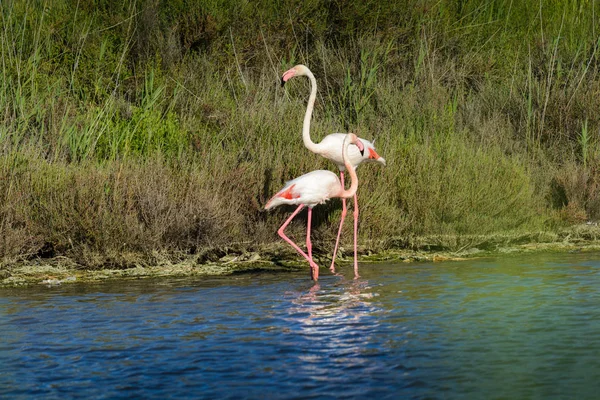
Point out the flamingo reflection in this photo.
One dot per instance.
(334, 323)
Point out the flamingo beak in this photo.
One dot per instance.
(376, 157)
(287, 75)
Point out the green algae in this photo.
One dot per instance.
(278, 257)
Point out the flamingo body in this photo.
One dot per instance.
(313, 188)
(330, 148)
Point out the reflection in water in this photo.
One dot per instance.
(340, 318)
(331, 325)
(525, 327)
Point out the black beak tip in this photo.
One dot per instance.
(362, 152)
(282, 82)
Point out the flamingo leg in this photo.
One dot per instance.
(337, 240)
(356, 276)
(308, 242)
(314, 268)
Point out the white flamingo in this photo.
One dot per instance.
(331, 147)
(314, 188)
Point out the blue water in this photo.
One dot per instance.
(523, 327)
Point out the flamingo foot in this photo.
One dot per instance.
(332, 268)
(356, 275)
(314, 271)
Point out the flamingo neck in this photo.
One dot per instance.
(351, 171)
(309, 109)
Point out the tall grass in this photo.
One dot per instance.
(149, 127)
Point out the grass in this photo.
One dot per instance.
(147, 128)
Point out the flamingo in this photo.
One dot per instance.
(331, 148)
(314, 188)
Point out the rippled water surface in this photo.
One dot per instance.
(513, 327)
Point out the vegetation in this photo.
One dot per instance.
(131, 129)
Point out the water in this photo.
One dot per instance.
(526, 327)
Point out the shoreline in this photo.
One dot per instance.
(279, 258)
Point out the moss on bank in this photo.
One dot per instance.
(279, 258)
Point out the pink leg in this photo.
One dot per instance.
(314, 272)
(355, 236)
(337, 240)
(308, 242)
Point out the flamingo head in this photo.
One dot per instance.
(295, 71)
(361, 146)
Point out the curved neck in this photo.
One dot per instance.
(353, 178)
(309, 109)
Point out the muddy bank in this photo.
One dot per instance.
(278, 257)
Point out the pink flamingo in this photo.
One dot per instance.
(311, 189)
(331, 148)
